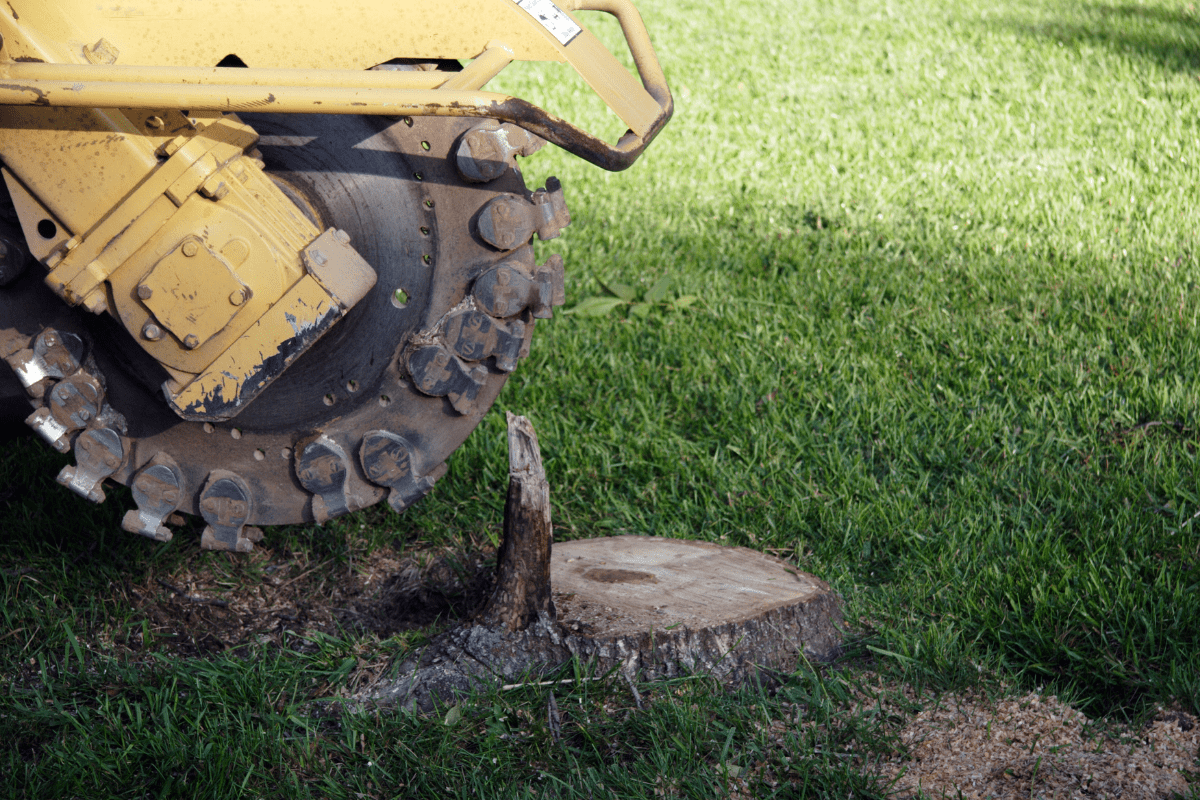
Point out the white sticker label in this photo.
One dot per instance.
(553, 19)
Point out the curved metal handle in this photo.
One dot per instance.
(631, 145)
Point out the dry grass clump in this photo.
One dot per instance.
(1039, 747)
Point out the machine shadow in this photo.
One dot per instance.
(1167, 37)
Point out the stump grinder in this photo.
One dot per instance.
(269, 261)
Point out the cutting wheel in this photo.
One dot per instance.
(373, 410)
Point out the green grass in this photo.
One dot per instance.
(944, 356)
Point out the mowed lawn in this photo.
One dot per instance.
(915, 291)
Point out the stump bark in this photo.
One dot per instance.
(648, 606)
(522, 592)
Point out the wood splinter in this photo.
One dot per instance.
(522, 594)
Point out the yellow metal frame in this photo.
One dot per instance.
(141, 193)
(149, 77)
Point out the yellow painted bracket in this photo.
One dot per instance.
(543, 31)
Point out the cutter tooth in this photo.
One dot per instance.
(387, 459)
(226, 505)
(98, 454)
(157, 489)
(323, 469)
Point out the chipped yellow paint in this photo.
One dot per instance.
(258, 356)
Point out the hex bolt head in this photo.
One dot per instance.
(190, 248)
(482, 156)
(342, 236)
(317, 257)
(152, 332)
(172, 147)
(154, 122)
(237, 297)
(144, 292)
(191, 342)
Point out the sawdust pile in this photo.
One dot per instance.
(1039, 747)
(215, 604)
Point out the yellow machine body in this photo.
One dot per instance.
(145, 197)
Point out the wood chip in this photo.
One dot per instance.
(1036, 746)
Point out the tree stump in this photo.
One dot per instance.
(663, 607)
(648, 606)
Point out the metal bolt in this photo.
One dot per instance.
(172, 147)
(190, 248)
(152, 332)
(191, 342)
(317, 257)
(154, 122)
(144, 292)
(96, 301)
(342, 236)
(215, 188)
(482, 156)
(237, 297)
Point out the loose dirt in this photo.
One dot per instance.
(210, 605)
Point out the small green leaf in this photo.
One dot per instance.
(595, 306)
(659, 290)
(454, 716)
(640, 309)
(621, 290)
(685, 300)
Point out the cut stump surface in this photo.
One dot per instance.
(626, 585)
(665, 607)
